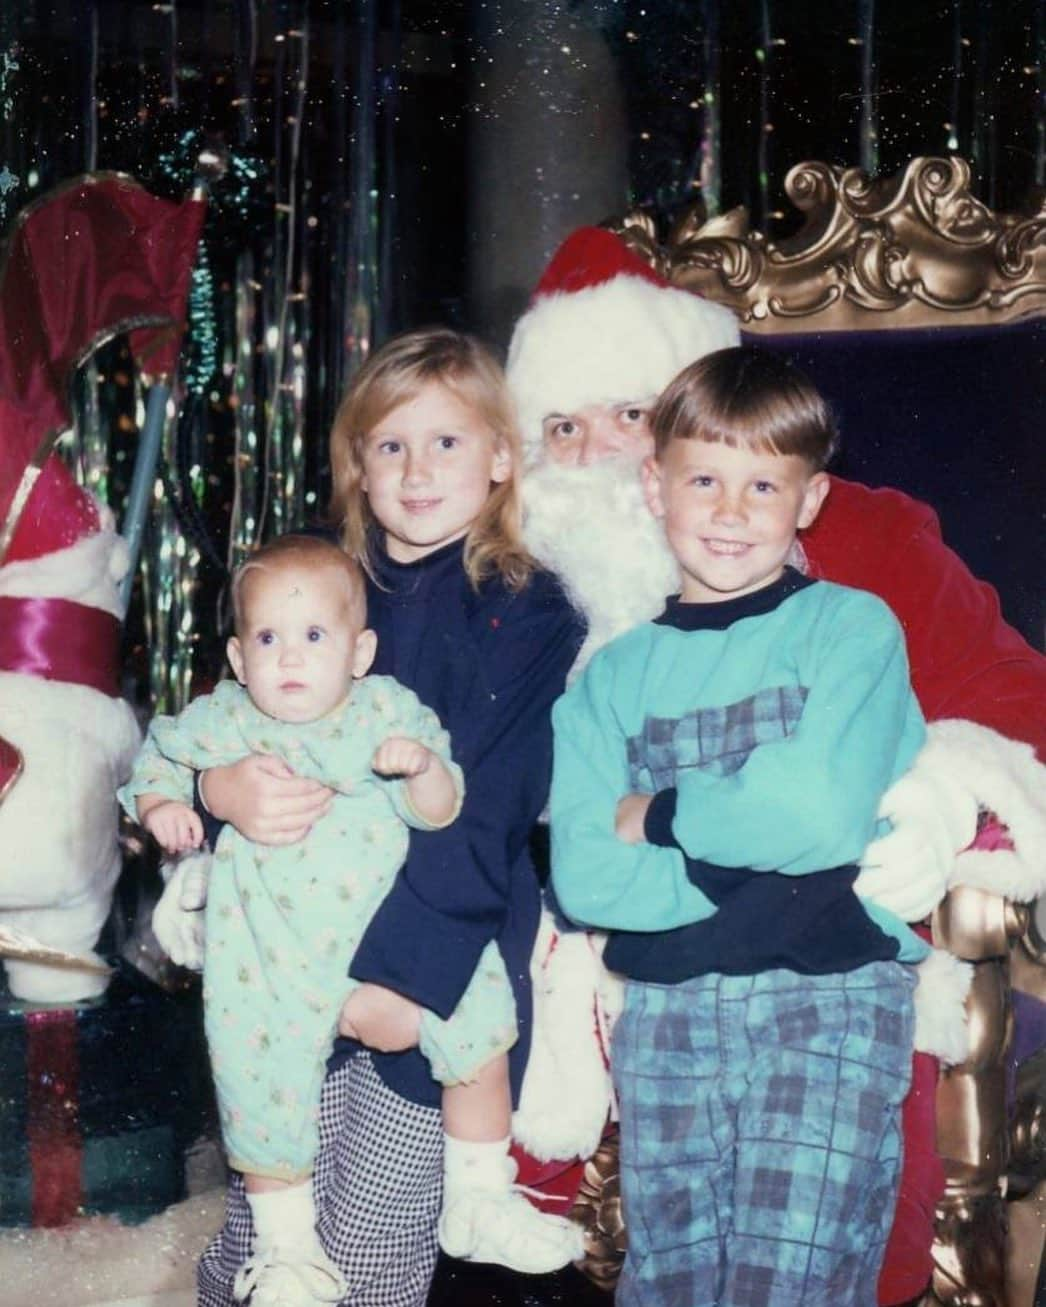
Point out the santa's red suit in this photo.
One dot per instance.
(603, 329)
(965, 661)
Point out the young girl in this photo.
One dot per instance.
(424, 454)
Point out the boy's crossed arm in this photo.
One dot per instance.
(599, 878)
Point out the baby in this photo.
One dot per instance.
(283, 922)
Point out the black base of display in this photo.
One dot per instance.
(461, 1284)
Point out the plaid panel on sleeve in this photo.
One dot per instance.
(713, 739)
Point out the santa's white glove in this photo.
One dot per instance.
(178, 918)
(907, 871)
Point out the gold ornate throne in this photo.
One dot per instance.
(958, 292)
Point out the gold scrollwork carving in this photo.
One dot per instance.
(597, 1209)
(917, 249)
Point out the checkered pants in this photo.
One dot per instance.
(760, 1136)
(378, 1185)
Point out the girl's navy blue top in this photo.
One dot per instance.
(490, 662)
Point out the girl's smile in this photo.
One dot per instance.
(428, 466)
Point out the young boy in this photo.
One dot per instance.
(717, 774)
(283, 922)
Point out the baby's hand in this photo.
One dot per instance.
(399, 756)
(174, 826)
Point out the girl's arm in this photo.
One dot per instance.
(454, 892)
(263, 799)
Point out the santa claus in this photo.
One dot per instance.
(603, 335)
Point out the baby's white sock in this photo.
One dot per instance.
(469, 1166)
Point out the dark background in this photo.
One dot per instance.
(373, 139)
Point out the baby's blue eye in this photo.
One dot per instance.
(447, 442)
(266, 637)
(765, 486)
(389, 447)
(314, 635)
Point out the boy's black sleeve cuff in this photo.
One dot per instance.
(657, 825)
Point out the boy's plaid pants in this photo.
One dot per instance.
(760, 1136)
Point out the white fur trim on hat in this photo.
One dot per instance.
(624, 339)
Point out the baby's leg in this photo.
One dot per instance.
(485, 1217)
(481, 1111)
(287, 1265)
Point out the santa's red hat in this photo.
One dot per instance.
(604, 327)
(56, 515)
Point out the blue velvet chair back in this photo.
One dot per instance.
(957, 418)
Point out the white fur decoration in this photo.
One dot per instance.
(567, 1096)
(178, 919)
(941, 1023)
(59, 856)
(1005, 778)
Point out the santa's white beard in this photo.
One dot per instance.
(591, 526)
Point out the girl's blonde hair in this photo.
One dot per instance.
(394, 376)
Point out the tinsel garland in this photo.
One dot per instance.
(178, 534)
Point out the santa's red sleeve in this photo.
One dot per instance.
(966, 661)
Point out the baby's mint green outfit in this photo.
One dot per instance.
(283, 923)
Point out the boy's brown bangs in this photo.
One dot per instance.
(746, 399)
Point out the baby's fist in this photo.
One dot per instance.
(174, 826)
(399, 756)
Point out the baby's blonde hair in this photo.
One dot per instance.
(308, 553)
(394, 376)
